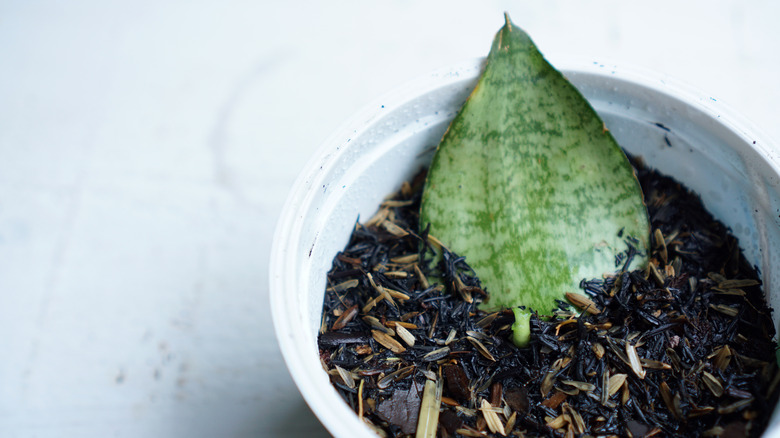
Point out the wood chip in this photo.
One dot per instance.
(713, 431)
(598, 350)
(576, 419)
(429, 409)
(555, 400)
(517, 399)
(345, 317)
(615, 383)
(378, 218)
(346, 376)
(737, 284)
(563, 324)
(724, 309)
(466, 411)
(421, 277)
(583, 303)
(558, 422)
(387, 380)
(633, 359)
(654, 364)
(396, 203)
(605, 387)
(406, 189)
(735, 407)
(388, 342)
(375, 323)
(712, 383)
(394, 229)
(666, 395)
(547, 382)
(626, 393)
(396, 294)
(493, 422)
(487, 320)
(363, 349)
(481, 348)
(582, 386)
(674, 359)
(436, 243)
(661, 245)
(382, 292)
(345, 285)
(700, 411)
(406, 325)
(437, 354)
(463, 290)
(510, 423)
(731, 391)
(654, 275)
(751, 362)
(405, 335)
(496, 392)
(360, 399)
(371, 303)
(407, 316)
(449, 401)
(355, 262)
(569, 391)
(469, 432)
(731, 292)
(480, 336)
(717, 278)
(410, 258)
(430, 375)
(450, 337)
(506, 411)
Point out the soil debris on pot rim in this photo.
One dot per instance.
(683, 348)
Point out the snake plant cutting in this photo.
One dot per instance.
(529, 185)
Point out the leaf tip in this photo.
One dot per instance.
(508, 21)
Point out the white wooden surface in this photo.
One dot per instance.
(146, 148)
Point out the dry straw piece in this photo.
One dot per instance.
(491, 417)
(583, 303)
(388, 342)
(429, 409)
(405, 335)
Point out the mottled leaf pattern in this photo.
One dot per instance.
(528, 184)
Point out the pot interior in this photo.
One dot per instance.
(674, 130)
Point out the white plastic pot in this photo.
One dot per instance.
(682, 132)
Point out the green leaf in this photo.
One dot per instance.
(528, 184)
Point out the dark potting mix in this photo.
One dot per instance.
(672, 339)
(683, 348)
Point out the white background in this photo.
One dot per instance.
(147, 147)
